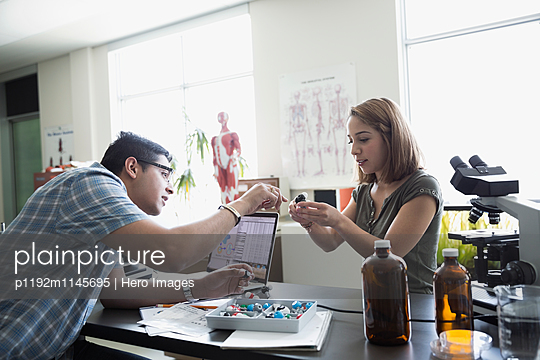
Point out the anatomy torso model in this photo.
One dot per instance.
(226, 149)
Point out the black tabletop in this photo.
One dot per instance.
(345, 338)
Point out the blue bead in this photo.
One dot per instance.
(250, 307)
(278, 315)
(266, 306)
(308, 305)
(296, 304)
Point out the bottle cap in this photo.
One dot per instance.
(382, 244)
(450, 252)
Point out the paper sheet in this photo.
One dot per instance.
(147, 314)
(310, 338)
(181, 318)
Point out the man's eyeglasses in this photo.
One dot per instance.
(170, 171)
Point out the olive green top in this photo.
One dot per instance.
(422, 259)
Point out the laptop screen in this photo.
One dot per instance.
(251, 242)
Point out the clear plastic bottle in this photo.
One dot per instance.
(452, 291)
(386, 297)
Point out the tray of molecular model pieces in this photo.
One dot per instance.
(262, 315)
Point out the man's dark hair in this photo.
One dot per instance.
(129, 144)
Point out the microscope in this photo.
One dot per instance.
(518, 251)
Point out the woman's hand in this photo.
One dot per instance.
(225, 281)
(294, 215)
(320, 213)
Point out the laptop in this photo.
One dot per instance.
(251, 242)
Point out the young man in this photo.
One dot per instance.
(89, 212)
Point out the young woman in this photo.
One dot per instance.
(395, 199)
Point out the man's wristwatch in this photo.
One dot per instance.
(233, 210)
(187, 292)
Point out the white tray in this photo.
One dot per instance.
(216, 321)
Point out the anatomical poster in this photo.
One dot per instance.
(314, 106)
(58, 145)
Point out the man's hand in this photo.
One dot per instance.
(260, 196)
(225, 281)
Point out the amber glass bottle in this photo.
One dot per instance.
(386, 297)
(452, 291)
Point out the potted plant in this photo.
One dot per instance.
(195, 139)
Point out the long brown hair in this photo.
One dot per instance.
(404, 155)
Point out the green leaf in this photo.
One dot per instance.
(202, 143)
(243, 165)
(185, 183)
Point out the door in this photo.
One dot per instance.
(26, 140)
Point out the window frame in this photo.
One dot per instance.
(406, 43)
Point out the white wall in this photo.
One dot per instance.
(55, 103)
(297, 35)
(74, 89)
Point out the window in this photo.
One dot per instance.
(472, 74)
(204, 70)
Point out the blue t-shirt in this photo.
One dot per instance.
(76, 209)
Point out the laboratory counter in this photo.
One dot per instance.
(345, 337)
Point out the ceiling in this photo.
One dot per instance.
(36, 30)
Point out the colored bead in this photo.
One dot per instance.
(250, 307)
(278, 315)
(308, 305)
(283, 309)
(266, 306)
(296, 304)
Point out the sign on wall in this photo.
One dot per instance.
(58, 145)
(314, 106)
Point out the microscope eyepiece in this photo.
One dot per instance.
(457, 163)
(478, 179)
(475, 161)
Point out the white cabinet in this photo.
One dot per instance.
(305, 263)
